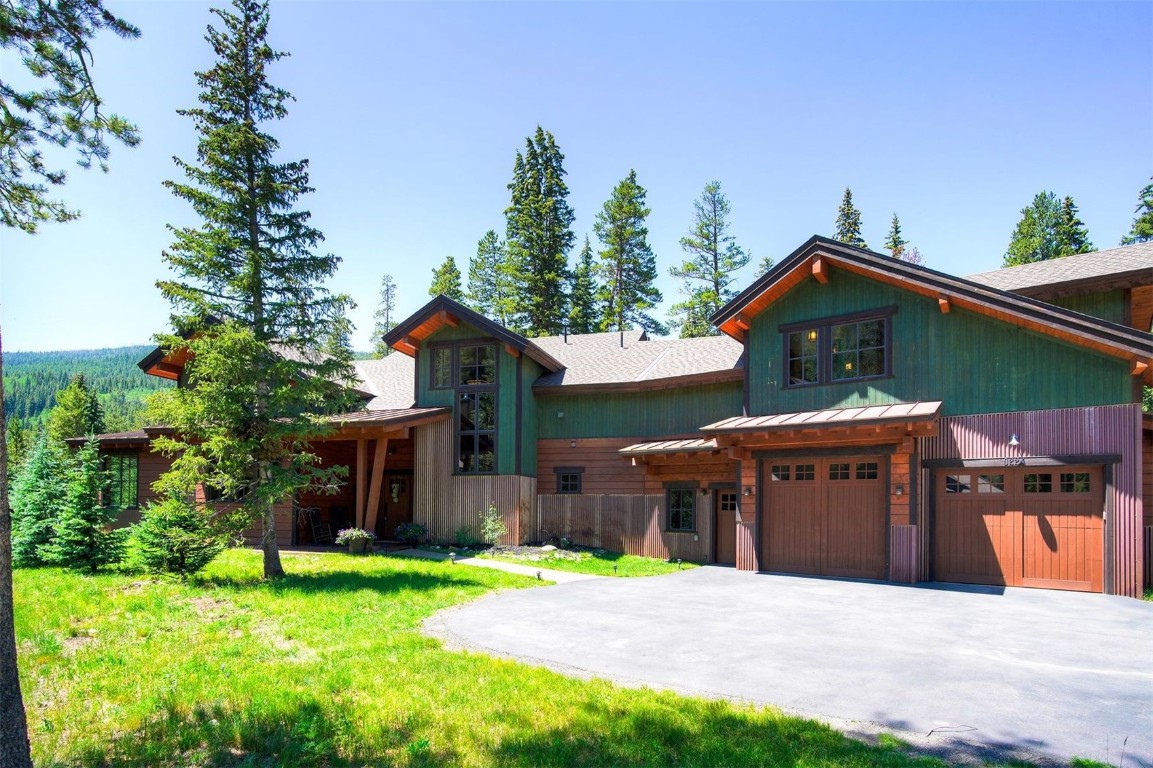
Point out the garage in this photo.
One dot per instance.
(824, 516)
(1020, 526)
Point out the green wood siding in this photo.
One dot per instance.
(530, 372)
(682, 410)
(972, 363)
(1109, 305)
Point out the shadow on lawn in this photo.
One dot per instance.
(334, 581)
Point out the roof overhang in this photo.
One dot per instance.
(380, 424)
(671, 447)
(867, 425)
(645, 385)
(442, 312)
(820, 256)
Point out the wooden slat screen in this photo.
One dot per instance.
(633, 524)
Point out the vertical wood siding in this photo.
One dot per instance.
(1114, 429)
(1148, 581)
(444, 502)
(632, 524)
(680, 410)
(903, 553)
(747, 546)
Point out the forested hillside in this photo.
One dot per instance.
(32, 379)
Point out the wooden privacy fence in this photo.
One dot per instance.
(1148, 553)
(633, 524)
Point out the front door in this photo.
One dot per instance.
(725, 504)
(395, 505)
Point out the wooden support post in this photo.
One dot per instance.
(361, 480)
(943, 304)
(820, 270)
(379, 457)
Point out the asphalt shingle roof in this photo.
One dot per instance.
(1085, 266)
(601, 358)
(390, 380)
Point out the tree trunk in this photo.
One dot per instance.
(272, 566)
(14, 748)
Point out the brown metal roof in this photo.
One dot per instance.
(394, 417)
(696, 445)
(870, 414)
(135, 436)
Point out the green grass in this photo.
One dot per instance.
(327, 667)
(599, 563)
(1149, 594)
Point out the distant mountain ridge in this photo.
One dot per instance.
(32, 379)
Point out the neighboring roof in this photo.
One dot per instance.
(391, 381)
(862, 415)
(817, 257)
(1123, 267)
(135, 436)
(670, 446)
(601, 359)
(443, 311)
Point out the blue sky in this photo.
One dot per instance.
(953, 115)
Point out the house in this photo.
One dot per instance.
(857, 417)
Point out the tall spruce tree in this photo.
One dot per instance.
(384, 317)
(582, 315)
(82, 536)
(709, 271)
(539, 236)
(895, 242)
(77, 412)
(1142, 229)
(764, 265)
(628, 269)
(849, 222)
(248, 295)
(1072, 235)
(446, 280)
(1035, 238)
(489, 288)
(37, 492)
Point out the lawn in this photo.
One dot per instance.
(327, 666)
(598, 562)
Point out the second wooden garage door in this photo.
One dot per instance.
(1020, 527)
(824, 517)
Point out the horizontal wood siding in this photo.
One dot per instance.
(151, 467)
(973, 363)
(444, 502)
(680, 410)
(632, 524)
(285, 520)
(1064, 432)
(903, 553)
(605, 470)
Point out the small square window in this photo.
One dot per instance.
(568, 482)
(958, 483)
(806, 471)
(477, 365)
(990, 483)
(1075, 482)
(866, 470)
(728, 501)
(780, 472)
(838, 471)
(1039, 483)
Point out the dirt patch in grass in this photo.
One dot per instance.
(71, 645)
(211, 608)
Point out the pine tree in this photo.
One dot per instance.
(37, 494)
(764, 265)
(708, 272)
(384, 317)
(489, 289)
(1035, 237)
(81, 533)
(249, 294)
(77, 412)
(20, 439)
(1142, 229)
(538, 237)
(849, 222)
(446, 280)
(583, 316)
(177, 537)
(1072, 236)
(628, 269)
(894, 242)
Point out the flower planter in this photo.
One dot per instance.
(358, 546)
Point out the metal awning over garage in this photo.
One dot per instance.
(863, 424)
(667, 447)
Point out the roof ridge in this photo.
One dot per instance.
(644, 374)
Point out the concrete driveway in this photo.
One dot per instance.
(964, 673)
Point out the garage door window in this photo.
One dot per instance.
(806, 471)
(867, 470)
(990, 483)
(780, 472)
(958, 483)
(838, 471)
(1039, 482)
(1075, 482)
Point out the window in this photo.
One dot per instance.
(780, 472)
(1074, 482)
(958, 483)
(681, 507)
(838, 349)
(477, 365)
(990, 483)
(728, 501)
(806, 471)
(476, 432)
(1039, 482)
(568, 479)
(441, 367)
(866, 470)
(838, 471)
(122, 490)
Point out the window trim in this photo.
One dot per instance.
(691, 490)
(578, 471)
(105, 466)
(823, 327)
(458, 434)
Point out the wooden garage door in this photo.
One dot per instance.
(825, 517)
(1020, 527)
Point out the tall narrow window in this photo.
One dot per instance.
(441, 367)
(476, 431)
(681, 503)
(803, 365)
(123, 470)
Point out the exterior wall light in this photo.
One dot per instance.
(560, 414)
(900, 490)
(747, 492)
(1013, 439)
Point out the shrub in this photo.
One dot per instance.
(177, 537)
(411, 532)
(81, 535)
(465, 537)
(349, 535)
(492, 526)
(38, 492)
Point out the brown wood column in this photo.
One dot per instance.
(379, 458)
(361, 479)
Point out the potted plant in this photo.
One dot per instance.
(356, 539)
(410, 533)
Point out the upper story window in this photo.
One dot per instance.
(463, 365)
(838, 349)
